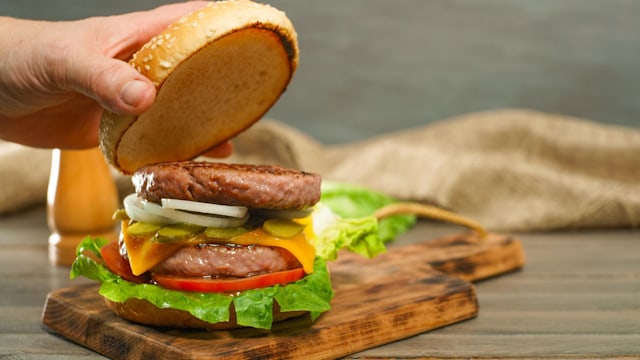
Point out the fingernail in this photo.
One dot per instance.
(134, 92)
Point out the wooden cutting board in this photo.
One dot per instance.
(404, 292)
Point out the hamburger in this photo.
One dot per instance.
(215, 245)
(221, 234)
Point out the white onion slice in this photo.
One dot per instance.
(285, 213)
(205, 208)
(190, 218)
(134, 208)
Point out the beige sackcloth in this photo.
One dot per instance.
(511, 170)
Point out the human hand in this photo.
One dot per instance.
(56, 77)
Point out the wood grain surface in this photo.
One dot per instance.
(576, 298)
(404, 292)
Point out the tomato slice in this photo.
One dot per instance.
(117, 264)
(201, 284)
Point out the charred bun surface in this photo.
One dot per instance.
(217, 71)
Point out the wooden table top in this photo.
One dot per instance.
(578, 296)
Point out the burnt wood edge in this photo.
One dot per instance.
(494, 256)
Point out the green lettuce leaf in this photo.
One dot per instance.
(359, 235)
(352, 202)
(84, 264)
(313, 293)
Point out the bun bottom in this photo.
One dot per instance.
(143, 312)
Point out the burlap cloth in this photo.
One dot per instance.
(512, 170)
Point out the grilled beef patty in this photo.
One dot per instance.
(227, 260)
(253, 186)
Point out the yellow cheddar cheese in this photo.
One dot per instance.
(144, 253)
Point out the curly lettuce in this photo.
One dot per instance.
(353, 202)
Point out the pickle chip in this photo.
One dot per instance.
(224, 233)
(142, 228)
(177, 232)
(282, 228)
(120, 214)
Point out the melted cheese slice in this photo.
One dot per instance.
(144, 253)
(298, 245)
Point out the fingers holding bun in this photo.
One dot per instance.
(217, 71)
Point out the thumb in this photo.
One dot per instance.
(113, 83)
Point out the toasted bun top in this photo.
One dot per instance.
(216, 70)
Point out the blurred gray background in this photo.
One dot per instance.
(373, 66)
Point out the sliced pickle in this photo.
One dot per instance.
(282, 228)
(120, 214)
(142, 228)
(224, 233)
(177, 232)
